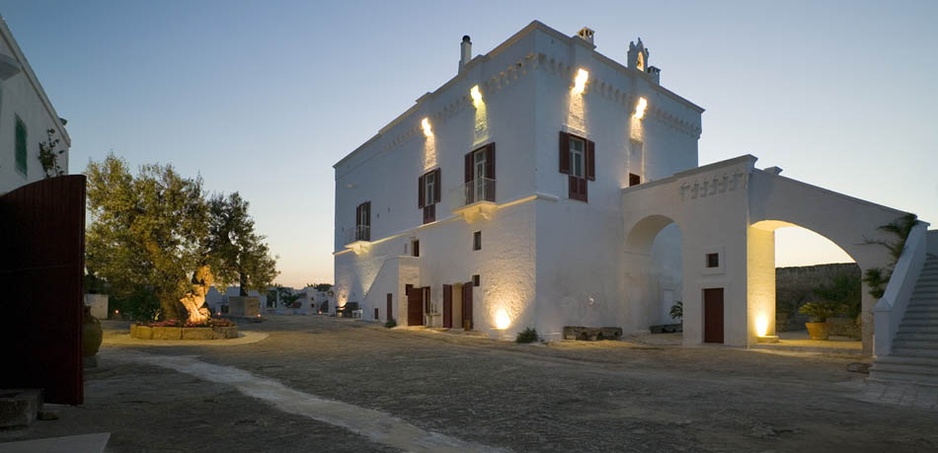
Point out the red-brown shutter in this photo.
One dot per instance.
(469, 168)
(358, 217)
(438, 187)
(590, 161)
(583, 186)
(564, 153)
(366, 208)
(420, 192)
(490, 161)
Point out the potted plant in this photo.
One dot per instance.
(818, 312)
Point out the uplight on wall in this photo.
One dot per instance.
(476, 95)
(502, 320)
(427, 130)
(579, 82)
(762, 325)
(640, 108)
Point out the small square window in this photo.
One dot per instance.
(713, 260)
(476, 280)
(477, 240)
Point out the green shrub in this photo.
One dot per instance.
(391, 323)
(528, 335)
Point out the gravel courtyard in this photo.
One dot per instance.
(564, 397)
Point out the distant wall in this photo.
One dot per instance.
(794, 286)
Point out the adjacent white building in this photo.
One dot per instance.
(26, 114)
(494, 203)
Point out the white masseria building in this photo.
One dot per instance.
(546, 185)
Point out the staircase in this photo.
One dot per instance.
(914, 356)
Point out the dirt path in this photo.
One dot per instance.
(611, 396)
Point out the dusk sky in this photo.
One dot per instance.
(263, 97)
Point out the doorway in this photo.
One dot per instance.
(713, 315)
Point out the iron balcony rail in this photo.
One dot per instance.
(479, 189)
(358, 233)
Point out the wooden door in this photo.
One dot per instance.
(415, 307)
(42, 251)
(448, 306)
(467, 305)
(713, 315)
(388, 314)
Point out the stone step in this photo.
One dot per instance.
(915, 344)
(917, 322)
(918, 353)
(933, 329)
(901, 368)
(917, 336)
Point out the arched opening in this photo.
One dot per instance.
(654, 275)
(808, 268)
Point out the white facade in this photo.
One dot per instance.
(548, 259)
(25, 116)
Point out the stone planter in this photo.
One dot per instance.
(167, 333)
(141, 332)
(183, 333)
(818, 330)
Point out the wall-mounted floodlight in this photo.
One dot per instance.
(427, 130)
(640, 108)
(579, 82)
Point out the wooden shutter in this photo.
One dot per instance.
(448, 306)
(469, 167)
(358, 216)
(421, 183)
(438, 186)
(564, 153)
(590, 160)
(366, 207)
(577, 188)
(490, 171)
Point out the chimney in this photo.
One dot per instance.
(655, 74)
(465, 52)
(586, 34)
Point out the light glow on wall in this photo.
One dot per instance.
(640, 108)
(476, 95)
(502, 320)
(427, 130)
(762, 325)
(579, 82)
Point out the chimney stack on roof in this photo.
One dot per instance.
(465, 52)
(586, 34)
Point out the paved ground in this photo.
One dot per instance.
(295, 382)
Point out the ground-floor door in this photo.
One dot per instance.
(389, 314)
(415, 307)
(448, 306)
(713, 315)
(467, 305)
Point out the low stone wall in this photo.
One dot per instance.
(591, 333)
(183, 333)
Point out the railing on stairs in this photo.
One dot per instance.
(890, 309)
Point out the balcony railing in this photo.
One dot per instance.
(475, 191)
(359, 233)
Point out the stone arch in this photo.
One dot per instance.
(653, 271)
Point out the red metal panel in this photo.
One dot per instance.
(42, 250)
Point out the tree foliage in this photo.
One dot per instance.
(237, 253)
(150, 232)
(877, 278)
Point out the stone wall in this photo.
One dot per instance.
(794, 286)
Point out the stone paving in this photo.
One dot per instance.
(309, 383)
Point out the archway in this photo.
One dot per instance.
(804, 263)
(653, 273)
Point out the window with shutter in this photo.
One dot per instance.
(20, 146)
(429, 193)
(578, 162)
(363, 222)
(480, 174)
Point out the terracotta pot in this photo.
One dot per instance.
(91, 334)
(818, 330)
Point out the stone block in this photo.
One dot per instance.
(167, 333)
(225, 332)
(141, 332)
(244, 306)
(19, 407)
(197, 333)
